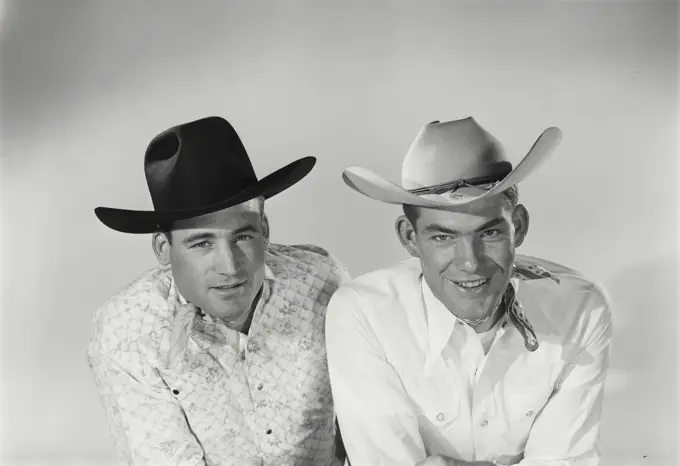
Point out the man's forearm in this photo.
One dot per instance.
(440, 460)
(469, 463)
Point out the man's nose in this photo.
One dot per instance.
(468, 254)
(226, 260)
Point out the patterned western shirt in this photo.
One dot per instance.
(182, 389)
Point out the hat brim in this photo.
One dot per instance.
(144, 221)
(376, 187)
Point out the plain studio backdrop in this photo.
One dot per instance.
(87, 84)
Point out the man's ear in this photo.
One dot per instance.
(407, 235)
(265, 228)
(520, 219)
(161, 247)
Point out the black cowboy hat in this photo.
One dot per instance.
(197, 168)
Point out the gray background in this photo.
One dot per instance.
(86, 85)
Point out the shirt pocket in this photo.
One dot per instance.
(183, 386)
(192, 380)
(437, 398)
(522, 405)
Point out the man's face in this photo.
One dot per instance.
(467, 252)
(218, 260)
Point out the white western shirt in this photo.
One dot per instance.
(409, 380)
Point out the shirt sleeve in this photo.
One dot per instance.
(147, 423)
(378, 424)
(343, 272)
(566, 432)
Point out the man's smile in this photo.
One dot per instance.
(474, 286)
(228, 288)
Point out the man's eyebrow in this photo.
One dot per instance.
(438, 228)
(198, 236)
(434, 227)
(206, 235)
(491, 223)
(246, 228)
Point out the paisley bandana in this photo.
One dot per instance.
(513, 306)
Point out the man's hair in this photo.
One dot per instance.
(511, 194)
(166, 230)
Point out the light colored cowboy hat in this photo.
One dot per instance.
(452, 163)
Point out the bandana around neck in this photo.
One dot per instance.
(513, 306)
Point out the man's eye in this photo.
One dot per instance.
(441, 238)
(491, 233)
(244, 237)
(202, 244)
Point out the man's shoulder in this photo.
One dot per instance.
(386, 284)
(571, 301)
(569, 281)
(138, 310)
(305, 260)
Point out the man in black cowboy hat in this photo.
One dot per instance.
(217, 356)
(470, 354)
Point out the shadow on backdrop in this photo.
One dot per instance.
(645, 305)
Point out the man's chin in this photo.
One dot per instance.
(473, 308)
(222, 310)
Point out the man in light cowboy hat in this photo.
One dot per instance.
(466, 354)
(216, 357)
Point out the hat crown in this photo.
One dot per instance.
(197, 164)
(449, 151)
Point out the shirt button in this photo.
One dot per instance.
(176, 392)
(440, 417)
(260, 386)
(485, 423)
(530, 413)
(269, 431)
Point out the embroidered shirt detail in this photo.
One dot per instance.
(176, 392)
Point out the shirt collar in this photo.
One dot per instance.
(441, 322)
(184, 322)
(268, 274)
